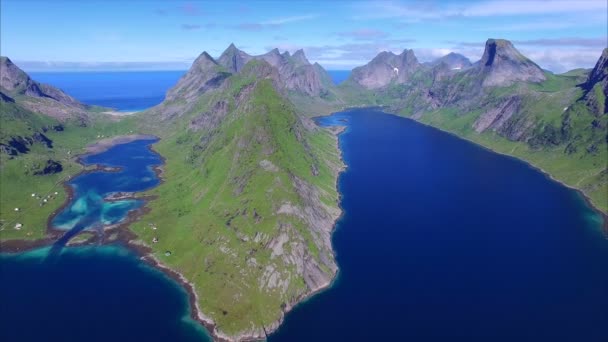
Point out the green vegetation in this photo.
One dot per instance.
(568, 142)
(18, 177)
(218, 210)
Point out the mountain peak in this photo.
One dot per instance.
(385, 68)
(503, 65)
(453, 60)
(48, 99)
(299, 57)
(233, 59)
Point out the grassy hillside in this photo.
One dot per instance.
(21, 175)
(236, 210)
(553, 130)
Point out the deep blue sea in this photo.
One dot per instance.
(441, 240)
(122, 90)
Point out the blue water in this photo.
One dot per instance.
(88, 208)
(442, 240)
(338, 76)
(91, 294)
(98, 293)
(124, 90)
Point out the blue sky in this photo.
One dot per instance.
(111, 35)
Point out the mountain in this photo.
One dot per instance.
(249, 196)
(295, 71)
(234, 59)
(248, 199)
(204, 74)
(384, 69)
(454, 61)
(596, 86)
(37, 97)
(502, 65)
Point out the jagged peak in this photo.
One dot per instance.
(274, 51)
(500, 48)
(300, 57)
(503, 64)
(5, 60)
(204, 60)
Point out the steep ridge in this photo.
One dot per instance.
(596, 86)
(249, 196)
(38, 97)
(295, 71)
(42, 130)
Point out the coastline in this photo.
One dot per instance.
(122, 235)
(586, 199)
(125, 237)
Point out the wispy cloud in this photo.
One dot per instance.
(249, 27)
(285, 20)
(364, 34)
(273, 23)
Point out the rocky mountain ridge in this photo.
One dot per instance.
(35, 96)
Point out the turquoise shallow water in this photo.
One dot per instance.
(89, 208)
(96, 293)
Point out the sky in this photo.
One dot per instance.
(76, 35)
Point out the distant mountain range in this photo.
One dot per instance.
(250, 181)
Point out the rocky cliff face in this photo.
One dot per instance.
(37, 97)
(453, 61)
(295, 71)
(204, 74)
(385, 69)
(503, 65)
(596, 86)
(234, 59)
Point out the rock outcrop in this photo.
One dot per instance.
(386, 68)
(596, 86)
(37, 97)
(453, 61)
(502, 65)
(234, 59)
(295, 71)
(204, 74)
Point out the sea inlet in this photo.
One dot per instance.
(441, 240)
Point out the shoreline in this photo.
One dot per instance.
(128, 239)
(122, 235)
(603, 215)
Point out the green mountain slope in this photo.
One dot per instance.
(37, 153)
(248, 200)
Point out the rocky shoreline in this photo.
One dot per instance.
(120, 233)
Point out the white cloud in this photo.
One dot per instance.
(285, 20)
